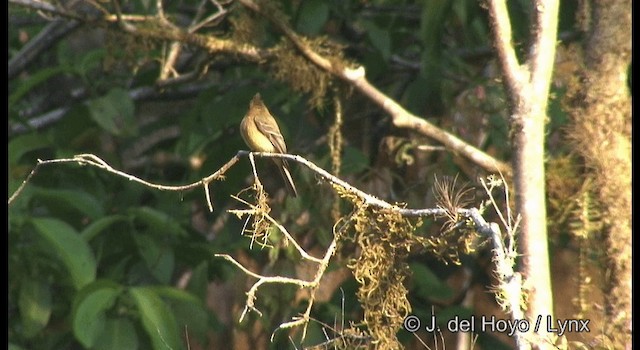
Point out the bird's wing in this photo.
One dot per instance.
(270, 129)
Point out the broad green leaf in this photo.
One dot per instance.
(189, 310)
(313, 15)
(90, 61)
(34, 304)
(22, 144)
(428, 284)
(158, 257)
(34, 80)
(14, 347)
(157, 221)
(416, 94)
(379, 37)
(82, 201)
(199, 280)
(157, 319)
(96, 227)
(353, 161)
(433, 17)
(119, 333)
(73, 251)
(89, 319)
(177, 294)
(450, 312)
(114, 112)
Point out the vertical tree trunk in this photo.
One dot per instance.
(527, 87)
(529, 180)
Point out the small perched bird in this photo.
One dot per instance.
(261, 133)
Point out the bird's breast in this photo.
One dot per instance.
(257, 141)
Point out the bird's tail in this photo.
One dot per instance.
(286, 176)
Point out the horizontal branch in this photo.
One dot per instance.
(366, 197)
(503, 256)
(152, 27)
(93, 160)
(143, 93)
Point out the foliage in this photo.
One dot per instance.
(96, 261)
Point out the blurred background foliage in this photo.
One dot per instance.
(99, 262)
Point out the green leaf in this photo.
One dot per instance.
(119, 333)
(157, 319)
(428, 284)
(432, 21)
(177, 294)
(82, 201)
(353, 161)
(313, 15)
(89, 319)
(34, 303)
(90, 61)
(379, 38)
(20, 145)
(199, 280)
(14, 347)
(416, 94)
(158, 257)
(157, 221)
(114, 112)
(73, 251)
(189, 310)
(34, 80)
(96, 227)
(448, 313)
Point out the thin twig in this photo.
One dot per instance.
(285, 232)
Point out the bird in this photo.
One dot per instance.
(261, 133)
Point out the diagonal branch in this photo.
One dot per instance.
(400, 116)
(355, 77)
(514, 74)
(543, 47)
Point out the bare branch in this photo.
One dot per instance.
(46, 38)
(400, 116)
(160, 30)
(93, 160)
(515, 75)
(253, 209)
(355, 77)
(504, 257)
(543, 47)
